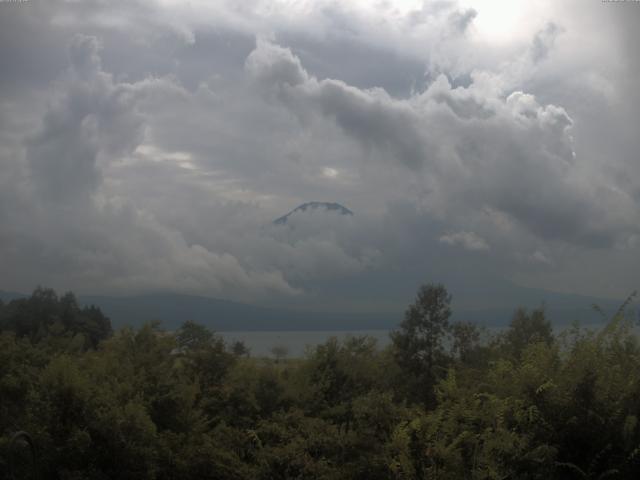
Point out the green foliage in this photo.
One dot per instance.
(152, 404)
(56, 322)
(466, 343)
(526, 328)
(418, 344)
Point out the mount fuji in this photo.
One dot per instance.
(313, 206)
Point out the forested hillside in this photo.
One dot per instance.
(444, 401)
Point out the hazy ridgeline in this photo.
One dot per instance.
(442, 400)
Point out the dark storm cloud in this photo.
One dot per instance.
(371, 116)
(357, 63)
(511, 154)
(148, 146)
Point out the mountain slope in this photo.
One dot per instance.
(311, 206)
(222, 315)
(8, 296)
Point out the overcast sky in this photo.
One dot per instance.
(148, 145)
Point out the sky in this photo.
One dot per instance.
(147, 146)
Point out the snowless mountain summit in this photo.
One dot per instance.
(310, 206)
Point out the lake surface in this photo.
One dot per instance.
(296, 342)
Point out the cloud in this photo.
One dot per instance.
(91, 116)
(271, 64)
(162, 168)
(80, 234)
(371, 116)
(538, 256)
(543, 41)
(462, 19)
(473, 148)
(467, 240)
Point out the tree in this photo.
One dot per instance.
(56, 321)
(279, 352)
(240, 349)
(418, 343)
(465, 340)
(527, 328)
(193, 336)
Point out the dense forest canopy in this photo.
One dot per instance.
(444, 400)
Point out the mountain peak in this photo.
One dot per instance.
(327, 206)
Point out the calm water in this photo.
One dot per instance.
(296, 342)
(261, 343)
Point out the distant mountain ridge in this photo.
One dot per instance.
(224, 315)
(8, 296)
(328, 206)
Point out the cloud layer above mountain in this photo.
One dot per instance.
(148, 145)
